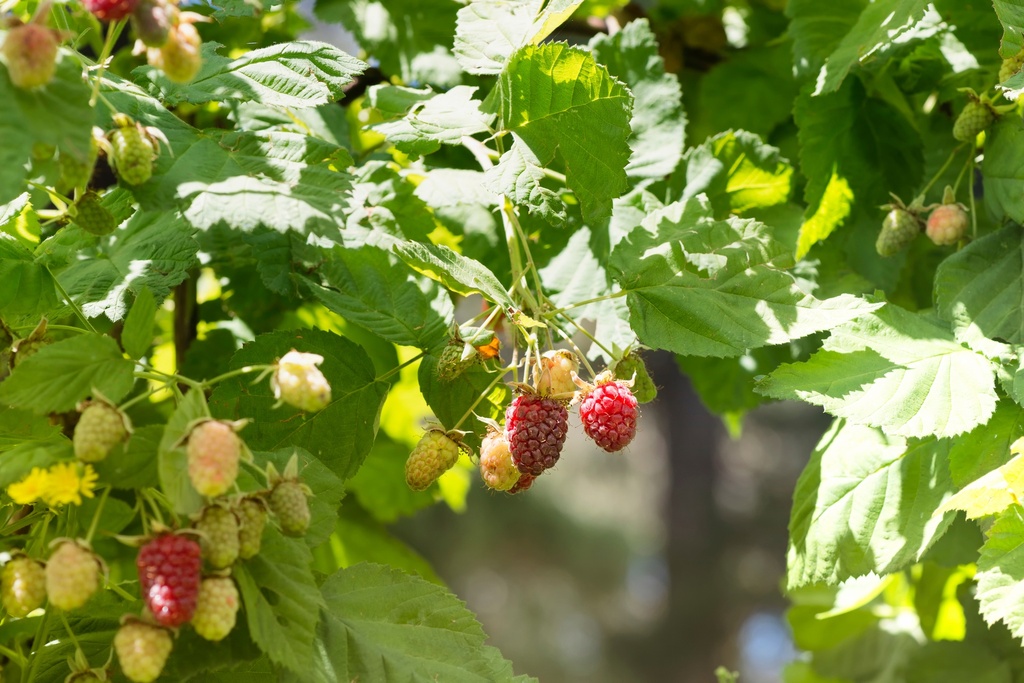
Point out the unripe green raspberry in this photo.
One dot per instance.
(179, 58)
(142, 650)
(455, 359)
(289, 504)
(218, 528)
(99, 429)
(1010, 66)
(75, 173)
(434, 455)
(72, 576)
(30, 51)
(213, 454)
(899, 229)
(496, 467)
(552, 372)
(298, 381)
(974, 118)
(216, 608)
(22, 586)
(252, 519)
(632, 367)
(132, 152)
(92, 216)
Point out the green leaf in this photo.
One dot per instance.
(487, 32)
(341, 434)
(860, 140)
(55, 114)
(134, 466)
(658, 122)
(458, 273)
(520, 175)
(297, 74)
(1001, 171)
(364, 539)
(382, 625)
(372, 288)
(981, 286)
(556, 98)
(327, 488)
(865, 504)
(896, 370)
(737, 171)
(137, 335)
(444, 119)
(832, 210)
(817, 28)
(282, 603)
(953, 662)
(992, 493)
(1011, 16)
(380, 486)
(172, 462)
(27, 290)
(1000, 577)
(879, 655)
(153, 250)
(59, 375)
(878, 25)
(702, 287)
(987, 446)
(451, 400)
(385, 202)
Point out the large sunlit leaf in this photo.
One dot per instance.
(1000, 576)
(443, 119)
(865, 504)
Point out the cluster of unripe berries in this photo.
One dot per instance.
(946, 224)
(530, 442)
(184, 576)
(167, 35)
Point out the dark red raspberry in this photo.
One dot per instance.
(169, 573)
(536, 429)
(523, 484)
(110, 10)
(609, 415)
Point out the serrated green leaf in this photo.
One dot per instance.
(833, 208)
(27, 290)
(458, 273)
(380, 486)
(135, 465)
(1001, 171)
(865, 504)
(1011, 16)
(556, 98)
(519, 174)
(137, 335)
(817, 28)
(384, 202)
(987, 446)
(737, 171)
(953, 662)
(992, 493)
(704, 287)
(371, 288)
(361, 538)
(59, 375)
(382, 625)
(297, 74)
(896, 370)
(878, 25)
(487, 32)
(1000, 577)
(282, 602)
(658, 122)
(341, 434)
(444, 119)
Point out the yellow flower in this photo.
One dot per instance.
(65, 484)
(29, 489)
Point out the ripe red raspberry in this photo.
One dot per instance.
(535, 427)
(524, 484)
(22, 586)
(213, 453)
(289, 503)
(609, 415)
(132, 151)
(72, 576)
(99, 429)
(217, 608)
(143, 650)
(31, 54)
(180, 58)
(947, 224)
(552, 372)
(496, 466)
(252, 518)
(169, 567)
(218, 528)
(110, 10)
(435, 454)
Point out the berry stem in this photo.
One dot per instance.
(942, 170)
(71, 634)
(582, 356)
(597, 299)
(113, 31)
(970, 195)
(485, 392)
(143, 396)
(41, 638)
(589, 336)
(398, 368)
(13, 655)
(166, 377)
(50, 191)
(71, 302)
(96, 516)
(62, 328)
(234, 373)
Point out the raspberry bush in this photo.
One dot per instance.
(237, 265)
